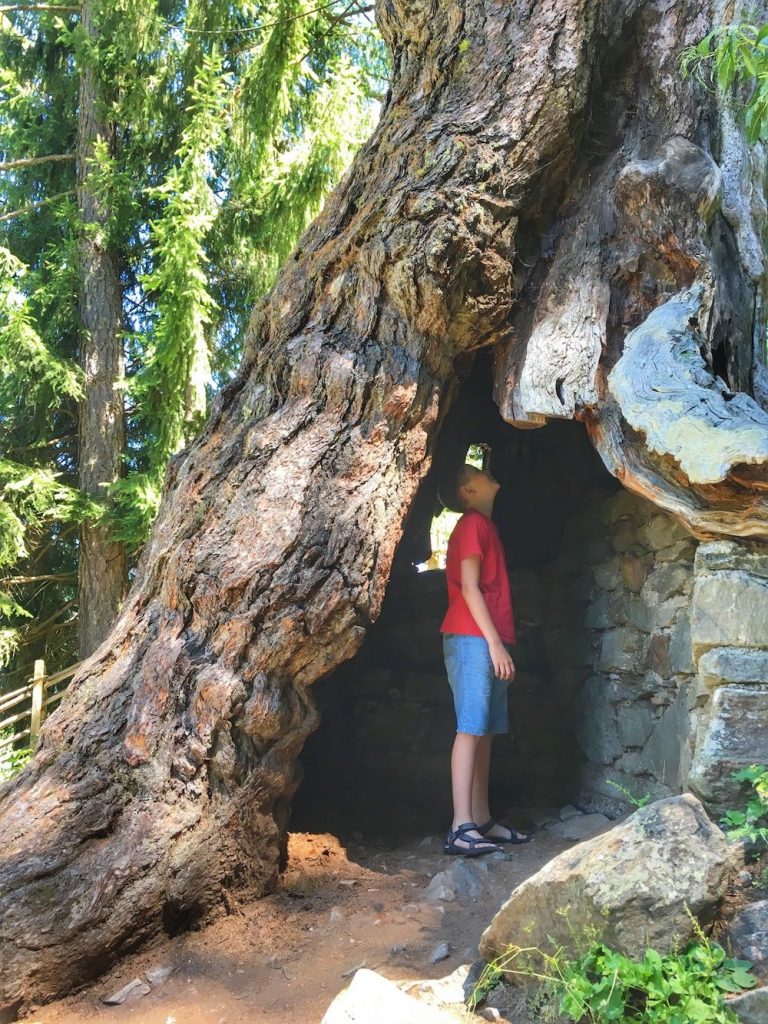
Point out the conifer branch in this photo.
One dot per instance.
(27, 161)
(36, 206)
(18, 580)
(39, 7)
(48, 625)
(15, 449)
(255, 28)
(334, 20)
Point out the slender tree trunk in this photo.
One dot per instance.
(519, 192)
(102, 568)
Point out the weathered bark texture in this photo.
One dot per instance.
(516, 194)
(642, 313)
(102, 565)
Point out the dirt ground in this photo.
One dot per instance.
(337, 909)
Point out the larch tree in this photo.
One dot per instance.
(543, 182)
(102, 567)
(158, 161)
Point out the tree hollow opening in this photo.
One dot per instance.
(595, 676)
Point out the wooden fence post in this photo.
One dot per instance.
(38, 690)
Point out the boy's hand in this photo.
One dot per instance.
(503, 665)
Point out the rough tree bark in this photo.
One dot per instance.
(102, 565)
(517, 193)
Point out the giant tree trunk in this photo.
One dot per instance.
(102, 565)
(541, 181)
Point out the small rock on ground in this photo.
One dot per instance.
(490, 1013)
(465, 879)
(132, 990)
(439, 889)
(441, 952)
(579, 827)
(157, 975)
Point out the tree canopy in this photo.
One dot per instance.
(228, 125)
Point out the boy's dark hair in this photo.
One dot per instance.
(448, 490)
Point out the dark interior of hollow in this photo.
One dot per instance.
(379, 761)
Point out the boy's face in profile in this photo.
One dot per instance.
(479, 489)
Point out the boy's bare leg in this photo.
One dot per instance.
(463, 762)
(481, 811)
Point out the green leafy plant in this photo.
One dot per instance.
(760, 881)
(601, 986)
(752, 822)
(635, 801)
(731, 55)
(12, 761)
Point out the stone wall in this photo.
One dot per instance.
(619, 640)
(388, 720)
(610, 635)
(730, 649)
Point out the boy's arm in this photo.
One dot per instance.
(473, 595)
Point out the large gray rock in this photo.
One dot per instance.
(729, 610)
(733, 735)
(632, 884)
(372, 999)
(733, 665)
(451, 990)
(750, 1007)
(749, 934)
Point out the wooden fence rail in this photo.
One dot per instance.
(35, 694)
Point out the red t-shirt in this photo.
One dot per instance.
(476, 534)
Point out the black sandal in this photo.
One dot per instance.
(471, 850)
(516, 838)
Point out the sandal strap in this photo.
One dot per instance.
(468, 826)
(487, 826)
(471, 841)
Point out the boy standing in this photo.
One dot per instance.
(478, 632)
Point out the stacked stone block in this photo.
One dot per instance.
(642, 661)
(619, 638)
(730, 647)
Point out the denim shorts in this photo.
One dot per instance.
(479, 696)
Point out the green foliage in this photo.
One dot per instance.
(635, 801)
(22, 351)
(228, 125)
(735, 55)
(40, 381)
(12, 760)
(170, 388)
(751, 823)
(760, 880)
(602, 985)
